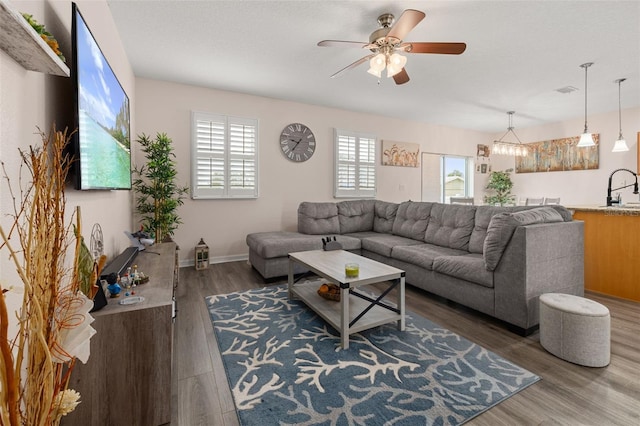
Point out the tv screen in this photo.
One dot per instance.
(102, 145)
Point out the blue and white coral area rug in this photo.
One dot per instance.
(285, 367)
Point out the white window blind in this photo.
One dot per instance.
(355, 165)
(224, 156)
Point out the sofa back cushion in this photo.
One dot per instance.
(412, 219)
(318, 218)
(384, 216)
(356, 215)
(450, 225)
(502, 226)
(485, 213)
(481, 223)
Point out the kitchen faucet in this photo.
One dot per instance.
(611, 201)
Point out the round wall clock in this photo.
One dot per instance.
(297, 142)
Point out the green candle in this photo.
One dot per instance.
(351, 270)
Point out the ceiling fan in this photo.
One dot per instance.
(387, 41)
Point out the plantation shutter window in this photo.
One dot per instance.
(225, 156)
(355, 165)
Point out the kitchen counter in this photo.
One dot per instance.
(611, 249)
(632, 208)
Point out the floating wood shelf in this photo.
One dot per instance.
(25, 45)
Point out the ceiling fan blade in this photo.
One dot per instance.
(353, 65)
(428, 47)
(407, 21)
(342, 43)
(402, 77)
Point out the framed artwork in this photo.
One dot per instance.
(401, 154)
(557, 155)
(483, 151)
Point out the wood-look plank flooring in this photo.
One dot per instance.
(568, 394)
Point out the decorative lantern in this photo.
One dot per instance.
(202, 255)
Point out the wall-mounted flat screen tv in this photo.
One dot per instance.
(102, 143)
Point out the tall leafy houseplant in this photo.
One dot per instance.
(157, 193)
(500, 185)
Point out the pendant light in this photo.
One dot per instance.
(586, 138)
(620, 145)
(501, 147)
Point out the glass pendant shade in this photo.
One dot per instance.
(620, 145)
(586, 139)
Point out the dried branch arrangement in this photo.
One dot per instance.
(53, 321)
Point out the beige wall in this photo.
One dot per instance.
(30, 99)
(224, 224)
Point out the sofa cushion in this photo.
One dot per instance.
(450, 225)
(355, 215)
(269, 245)
(412, 219)
(384, 216)
(383, 244)
(481, 223)
(502, 226)
(318, 218)
(469, 267)
(423, 255)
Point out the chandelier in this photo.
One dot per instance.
(501, 147)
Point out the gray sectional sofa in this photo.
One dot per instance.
(497, 260)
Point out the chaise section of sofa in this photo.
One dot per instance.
(497, 260)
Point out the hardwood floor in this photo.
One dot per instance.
(568, 394)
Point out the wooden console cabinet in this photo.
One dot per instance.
(127, 380)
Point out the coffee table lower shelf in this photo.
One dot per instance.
(331, 310)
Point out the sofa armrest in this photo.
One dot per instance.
(539, 259)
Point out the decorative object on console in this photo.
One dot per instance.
(501, 147)
(557, 155)
(157, 194)
(500, 183)
(402, 154)
(201, 255)
(620, 144)
(297, 142)
(586, 138)
(387, 41)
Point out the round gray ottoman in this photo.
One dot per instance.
(575, 329)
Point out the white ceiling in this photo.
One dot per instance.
(518, 54)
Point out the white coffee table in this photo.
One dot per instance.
(355, 311)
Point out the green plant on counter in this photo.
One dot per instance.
(500, 184)
(157, 194)
(46, 35)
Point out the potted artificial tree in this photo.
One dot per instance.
(500, 185)
(157, 193)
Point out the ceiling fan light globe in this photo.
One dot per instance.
(375, 72)
(586, 140)
(378, 62)
(620, 146)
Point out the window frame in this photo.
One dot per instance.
(227, 191)
(356, 192)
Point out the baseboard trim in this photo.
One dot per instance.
(217, 259)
